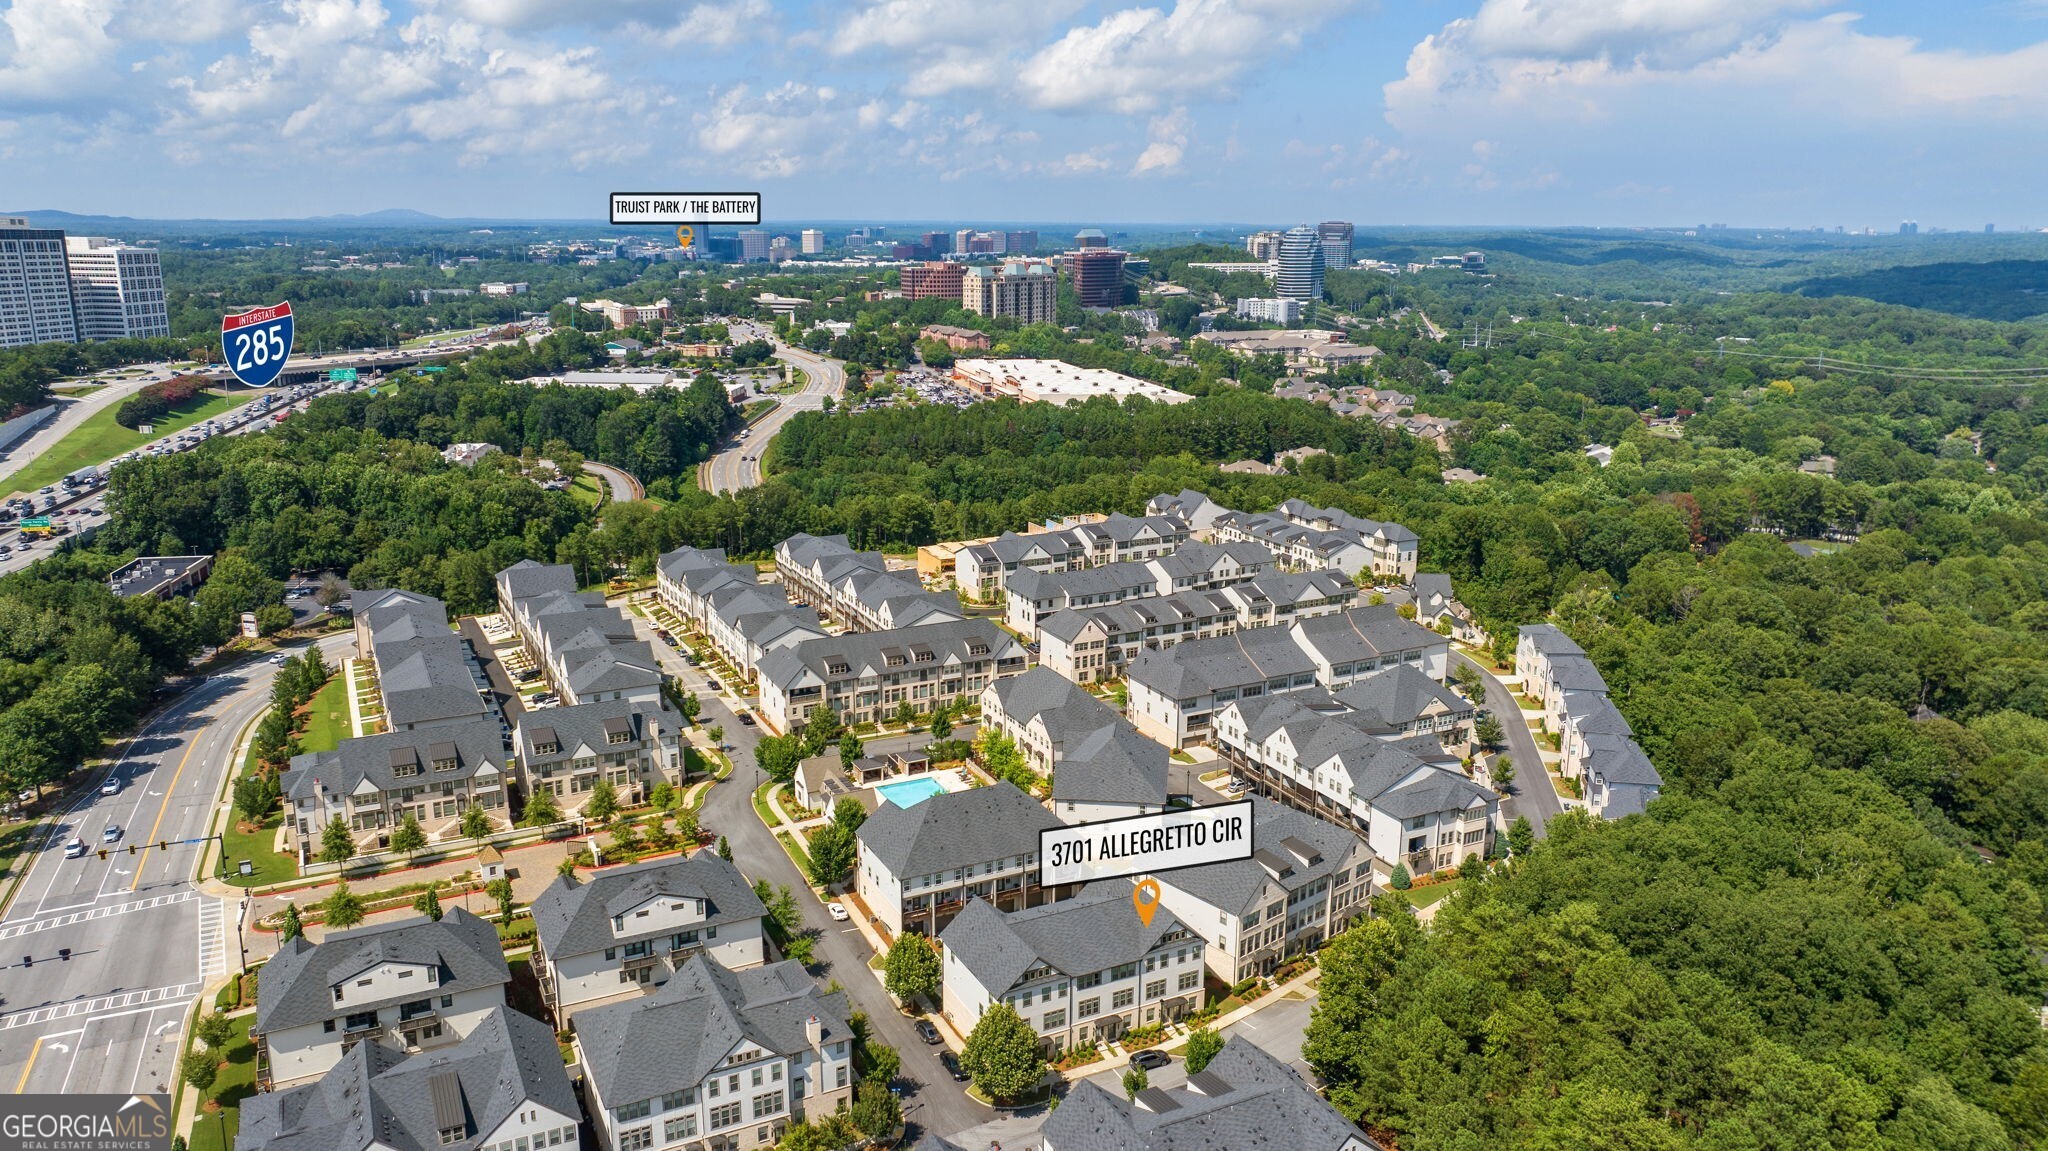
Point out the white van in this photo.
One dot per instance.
(75, 848)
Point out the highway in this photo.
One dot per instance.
(143, 939)
(73, 412)
(738, 464)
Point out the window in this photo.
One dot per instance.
(1188, 980)
(1121, 999)
(638, 1139)
(1055, 1019)
(841, 1078)
(677, 1129)
(675, 1099)
(632, 1111)
(1123, 971)
(1155, 989)
(452, 1135)
(757, 1076)
(766, 1105)
(725, 1115)
(327, 1026)
(361, 1021)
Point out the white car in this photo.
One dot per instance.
(112, 786)
(837, 912)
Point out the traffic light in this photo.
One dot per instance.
(131, 849)
(103, 853)
(28, 961)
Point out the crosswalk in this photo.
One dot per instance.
(30, 926)
(104, 1003)
(213, 938)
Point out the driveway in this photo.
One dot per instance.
(1531, 794)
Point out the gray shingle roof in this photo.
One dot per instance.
(1620, 760)
(297, 987)
(377, 1097)
(684, 560)
(1232, 885)
(1591, 711)
(1204, 665)
(376, 758)
(1091, 932)
(1098, 757)
(955, 829)
(585, 724)
(1575, 673)
(670, 1040)
(529, 578)
(575, 918)
(867, 653)
(1397, 696)
(1258, 1104)
(1547, 639)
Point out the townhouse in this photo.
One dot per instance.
(1307, 880)
(1190, 507)
(1393, 549)
(1078, 971)
(1088, 645)
(857, 588)
(866, 676)
(920, 865)
(1195, 567)
(589, 649)
(503, 1088)
(727, 604)
(565, 751)
(716, 1059)
(412, 984)
(1319, 754)
(626, 929)
(427, 676)
(1243, 1098)
(1537, 645)
(1599, 751)
(1436, 606)
(982, 570)
(370, 784)
(1101, 766)
(1174, 691)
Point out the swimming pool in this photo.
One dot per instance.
(910, 792)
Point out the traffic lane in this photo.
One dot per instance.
(1531, 794)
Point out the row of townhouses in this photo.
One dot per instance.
(586, 647)
(1301, 536)
(1101, 766)
(1598, 745)
(1092, 644)
(1175, 691)
(1194, 567)
(857, 589)
(742, 618)
(866, 676)
(983, 570)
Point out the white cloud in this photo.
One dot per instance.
(981, 26)
(1169, 136)
(720, 25)
(1139, 59)
(778, 132)
(57, 46)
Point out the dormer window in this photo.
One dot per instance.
(618, 737)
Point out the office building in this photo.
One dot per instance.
(1273, 311)
(1098, 276)
(1474, 262)
(1022, 242)
(1910, 228)
(1336, 237)
(932, 245)
(1300, 274)
(1026, 290)
(1264, 245)
(753, 245)
(501, 288)
(813, 241)
(1090, 238)
(35, 285)
(1055, 382)
(962, 239)
(933, 280)
(632, 315)
(117, 289)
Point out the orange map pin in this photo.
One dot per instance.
(1145, 897)
(686, 235)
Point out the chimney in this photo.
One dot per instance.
(814, 1033)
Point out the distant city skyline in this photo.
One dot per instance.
(1467, 113)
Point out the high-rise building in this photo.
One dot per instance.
(1910, 228)
(117, 289)
(1025, 289)
(753, 245)
(1266, 311)
(1022, 242)
(1300, 273)
(1097, 275)
(1336, 236)
(933, 245)
(1090, 238)
(814, 241)
(1264, 245)
(962, 239)
(35, 285)
(932, 280)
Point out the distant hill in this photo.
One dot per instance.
(1994, 290)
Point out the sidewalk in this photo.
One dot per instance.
(1114, 1056)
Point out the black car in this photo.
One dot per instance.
(951, 1063)
(1151, 1060)
(928, 1033)
(747, 719)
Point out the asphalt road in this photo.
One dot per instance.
(73, 412)
(931, 1100)
(623, 486)
(738, 464)
(143, 938)
(1531, 794)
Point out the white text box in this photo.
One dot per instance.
(686, 207)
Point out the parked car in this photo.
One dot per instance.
(928, 1033)
(713, 685)
(838, 912)
(747, 718)
(1151, 1059)
(951, 1063)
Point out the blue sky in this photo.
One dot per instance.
(1765, 112)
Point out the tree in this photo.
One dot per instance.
(541, 809)
(603, 802)
(337, 842)
(1135, 1080)
(1503, 772)
(724, 849)
(941, 725)
(875, 1110)
(429, 904)
(849, 750)
(1203, 1045)
(821, 727)
(1001, 1056)
(1521, 837)
(686, 827)
(663, 796)
(849, 814)
(906, 715)
(1488, 731)
(475, 823)
(342, 909)
(199, 1068)
(801, 948)
(500, 890)
(331, 590)
(625, 835)
(1471, 867)
(717, 733)
(409, 837)
(291, 927)
(567, 868)
(657, 834)
(881, 1061)
(779, 755)
(912, 968)
(833, 850)
(214, 1029)
(783, 916)
(1468, 679)
(690, 706)
(1400, 880)
(255, 794)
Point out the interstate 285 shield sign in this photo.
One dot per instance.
(256, 342)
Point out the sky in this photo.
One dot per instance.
(1519, 112)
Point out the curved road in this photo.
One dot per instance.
(1532, 793)
(73, 412)
(622, 484)
(738, 464)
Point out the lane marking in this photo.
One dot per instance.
(21, 1085)
(11, 930)
(191, 746)
(102, 1005)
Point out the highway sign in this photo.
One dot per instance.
(431, 368)
(35, 522)
(341, 375)
(256, 343)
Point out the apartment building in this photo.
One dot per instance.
(624, 930)
(413, 983)
(1094, 644)
(1387, 551)
(1078, 971)
(500, 1089)
(1190, 507)
(920, 865)
(1025, 290)
(727, 604)
(1306, 882)
(117, 289)
(565, 751)
(865, 676)
(716, 1058)
(1175, 691)
(372, 783)
(1317, 753)
(587, 648)
(1243, 1098)
(1101, 766)
(1032, 595)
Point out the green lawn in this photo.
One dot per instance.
(587, 490)
(100, 439)
(215, 1131)
(327, 717)
(1424, 896)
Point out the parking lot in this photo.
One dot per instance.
(926, 385)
